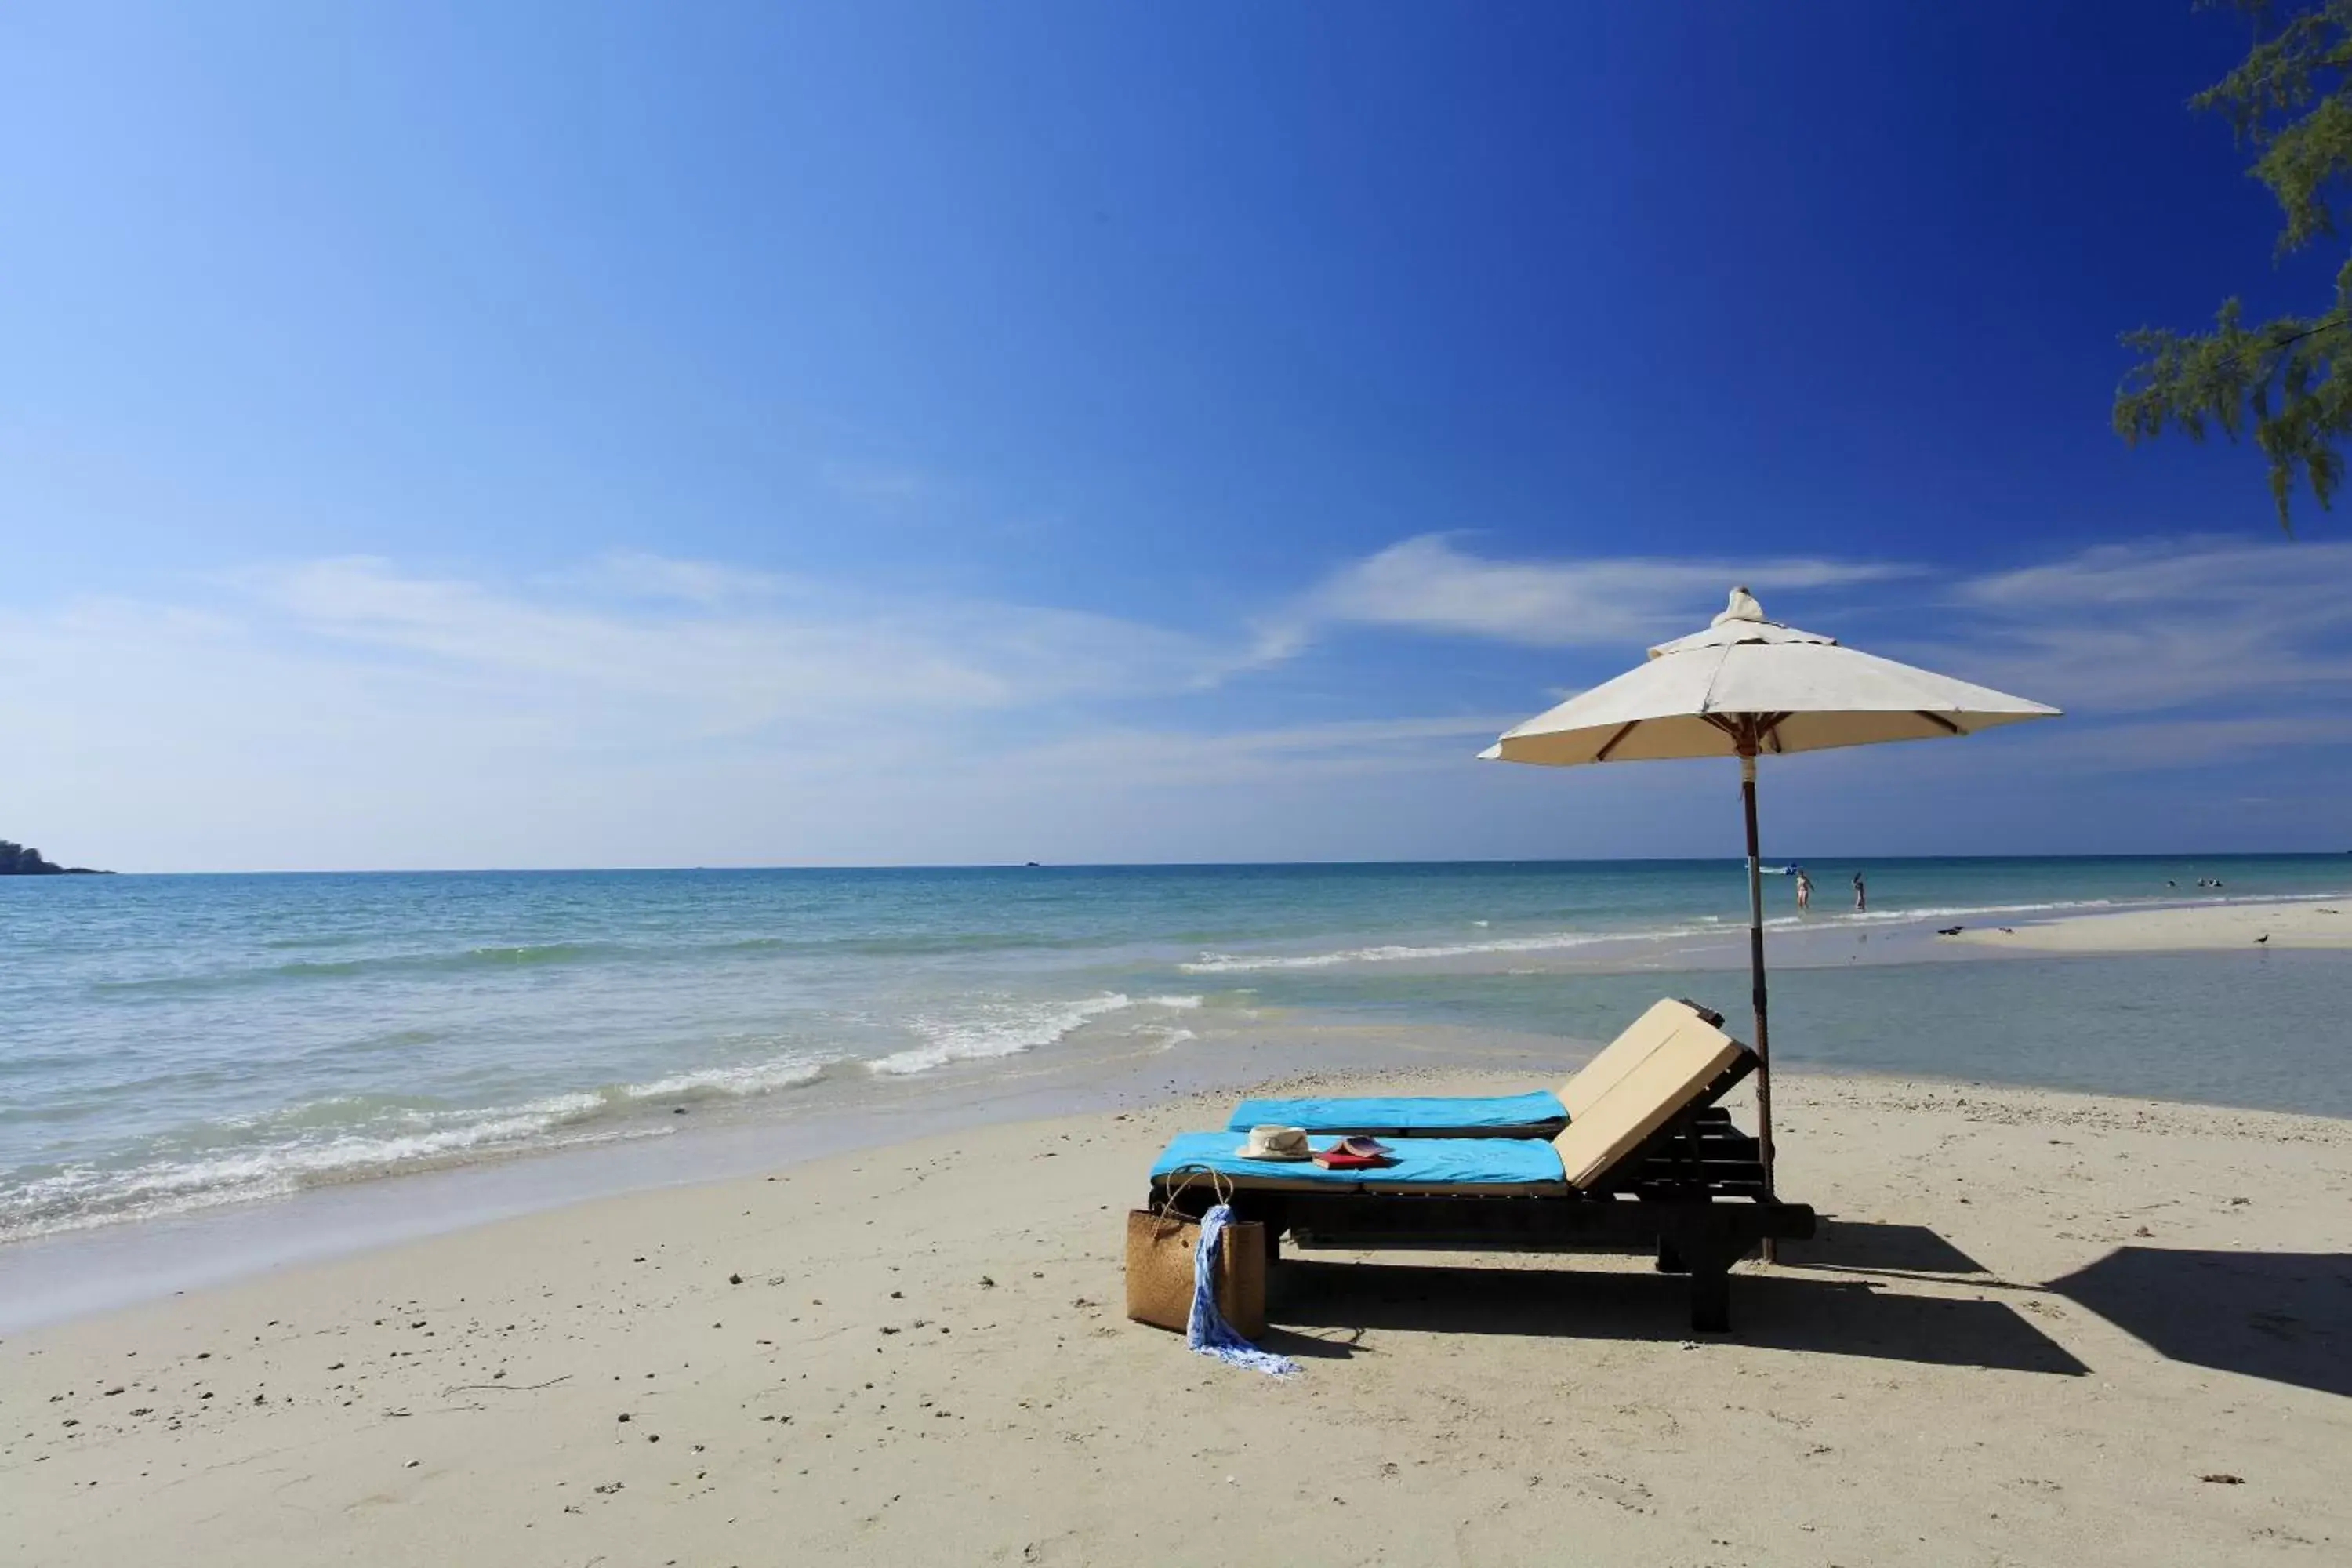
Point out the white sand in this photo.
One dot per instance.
(1914, 1389)
(2309, 924)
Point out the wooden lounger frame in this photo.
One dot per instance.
(1693, 1195)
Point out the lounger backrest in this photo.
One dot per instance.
(1623, 1054)
(1669, 1079)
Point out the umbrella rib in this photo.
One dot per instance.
(1727, 726)
(1758, 730)
(1623, 730)
(1940, 722)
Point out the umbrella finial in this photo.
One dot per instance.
(1741, 607)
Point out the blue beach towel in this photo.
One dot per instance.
(1206, 1329)
(1482, 1162)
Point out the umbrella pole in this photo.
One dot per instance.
(1755, 974)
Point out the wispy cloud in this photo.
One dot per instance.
(639, 574)
(2199, 573)
(2164, 625)
(1429, 583)
(2142, 744)
(718, 648)
(1292, 751)
(644, 709)
(637, 711)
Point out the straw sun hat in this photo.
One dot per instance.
(1275, 1144)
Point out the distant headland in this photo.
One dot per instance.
(20, 860)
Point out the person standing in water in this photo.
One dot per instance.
(1804, 891)
(1861, 895)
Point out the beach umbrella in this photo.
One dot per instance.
(1744, 687)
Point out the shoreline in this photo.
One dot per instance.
(2303, 924)
(113, 1259)
(2106, 1302)
(172, 1076)
(63, 1278)
(64, 1275)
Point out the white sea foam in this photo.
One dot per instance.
(318, 1141)
(1936, 912)
(1003, 1029)
(198, 1133)
(83, 1195)
(736, 1082)
(1545, 941)
(1394, 952)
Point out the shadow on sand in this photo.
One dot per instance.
(1868, 1246)
(1320, 1302)
(2284, 1315)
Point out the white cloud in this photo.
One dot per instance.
(1426, 584)
(634, 574)
(2146, 744)
(2183, 571)
(2222, 637)
(636, 711)
(641, 708)
(717, 649)
(1343, 747)
(2163, 627)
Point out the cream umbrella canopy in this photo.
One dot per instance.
(1746, 685)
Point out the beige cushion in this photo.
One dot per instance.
(1669, 1078)
(1623, 1054)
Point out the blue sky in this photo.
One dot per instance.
(556, 434)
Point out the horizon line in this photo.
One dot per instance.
(1198, 865)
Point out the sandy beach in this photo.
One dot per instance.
(2038, 1327)
(2300, 923)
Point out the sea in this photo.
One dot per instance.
(175, 1044)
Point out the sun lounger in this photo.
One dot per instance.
(1536, 1115)
(1637, 1170)
(1540, 1114)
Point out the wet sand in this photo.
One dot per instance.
(2038, 1327)
(2306, 923)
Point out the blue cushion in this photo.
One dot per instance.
(1503, 1161)
(1419, 1112)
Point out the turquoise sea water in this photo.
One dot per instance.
(169, 1043)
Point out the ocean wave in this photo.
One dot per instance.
(1009, 1028)
(516, 955)
(741, 1082)
(473, 958)
(909, 945)
(1002, 1031)
(1714, 926)
(78, 1196)
(1397, 953)
(344, 1137)
(1938, 912)
(532, 956)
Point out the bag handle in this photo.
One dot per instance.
(1221, 1186)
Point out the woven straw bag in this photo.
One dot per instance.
(1160, 1247)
